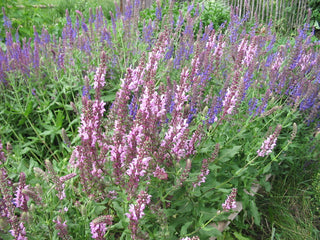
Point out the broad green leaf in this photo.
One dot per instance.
(188, 207)
(228, 154)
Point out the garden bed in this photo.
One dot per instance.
(123, 122)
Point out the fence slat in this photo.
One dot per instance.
(252, 9)
(293, 9)
(263, 9)
(303, 8)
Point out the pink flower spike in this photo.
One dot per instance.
(99, 226)
(136, 212)
(21, 199)
(160, 173)
(269, 144)
(230, 101)
(230, 202)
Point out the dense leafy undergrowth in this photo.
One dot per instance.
(150, 125)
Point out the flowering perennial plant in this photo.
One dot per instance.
(150, 157)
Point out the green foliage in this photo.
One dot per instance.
(27, 14)
(291, 199)
(83, 6)
(211, 12)
(315, 16)
(215, 12)
(40, 111)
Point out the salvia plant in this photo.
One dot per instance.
(197, 115)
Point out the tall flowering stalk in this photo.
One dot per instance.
(21, 199)
(8, 203)
(136, 212)
(89, 161)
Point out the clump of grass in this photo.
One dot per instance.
(289, 206)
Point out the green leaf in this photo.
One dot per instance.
(239, 236)
(255, 213)
(29, 109)
(99, 209)
(21, 121)
(241, 170)
(59, 119)
(109, 98)
(118, 225)
(48, 132)
(184, 228)
(25, 150)
(266, 169)
(210, 231)
(3, 46)
(118, 208)
(229, 153)
(267, 186)
(197, 192)
(185, 208)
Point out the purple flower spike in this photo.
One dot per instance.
(6, 21)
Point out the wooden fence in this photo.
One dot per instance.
(292, 13)
(289, 13)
